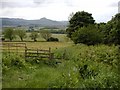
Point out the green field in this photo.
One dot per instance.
(74, 66)
(61, 37)
(42, 44)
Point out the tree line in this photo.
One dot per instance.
(83, 29)
(10, 33)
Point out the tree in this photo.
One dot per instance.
(31, 29)
(45, 34)
(89, 35)
(34, 36)
(21, 34)
(112, 30)
(78, 20)
(9, 33)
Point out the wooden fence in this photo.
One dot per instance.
(39, 53)
(13, 48)
(28, 52)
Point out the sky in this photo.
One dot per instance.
(59, 10)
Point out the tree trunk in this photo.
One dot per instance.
(21, 39)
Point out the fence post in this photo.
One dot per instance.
(16, 48)
(9, 48)
(25, 52)
(37, 53)
(51, 56)
(49, 53)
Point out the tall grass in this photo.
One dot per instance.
(89, 67)
(81, 67)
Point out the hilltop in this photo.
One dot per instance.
(43, 22)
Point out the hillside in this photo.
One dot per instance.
(43, 22)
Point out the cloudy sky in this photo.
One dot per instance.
(102, 10)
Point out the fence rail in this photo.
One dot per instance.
(39, 53)
(28, 52)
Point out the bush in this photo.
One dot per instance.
(12, 61)
(3, 39)
(52, 39)
(87, 35)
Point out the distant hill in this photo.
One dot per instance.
(43, 22)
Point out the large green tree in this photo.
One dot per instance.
(9, 33)
(112, 30)
(45, 34)
(89, 35)
(21, 34)
(34, 36)
(78, 20)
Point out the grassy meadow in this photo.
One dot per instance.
(61, 37)
(78, 66)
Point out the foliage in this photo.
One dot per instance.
(45, 34)
(34, 36)
(82, 67)
(31, 29)
(9, 33)
(111, 31)
(87, 35)
(89, 67)
(57, 31)
(21, 34)
(52, 39)
(11, 60)
(78, 20)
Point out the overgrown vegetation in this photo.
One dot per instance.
(80, 66)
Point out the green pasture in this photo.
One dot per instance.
(42, 44)
(61, 37)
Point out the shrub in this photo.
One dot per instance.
(3, 39)
(52, 39)
(87, 35)
(12, 61)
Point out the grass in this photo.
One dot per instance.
(101, 62)
(46, 45)
(42, 44)
(33, 77)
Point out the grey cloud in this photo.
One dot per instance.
(16, 4)
(39, 1)
(43, 2)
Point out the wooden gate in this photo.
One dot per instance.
(39, 53)
(13, 47)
